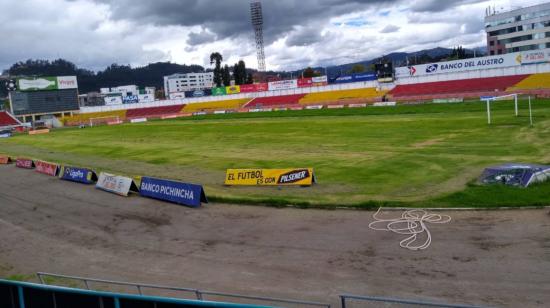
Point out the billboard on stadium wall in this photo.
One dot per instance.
(130, 99)
(356, 78)
(270, 177)
(47, 83)
(32, 102)
(113, 100)
(233, 90)
(321, 80)
(305, 82)
(257, 87)
(198, 93)
(219, 91)
(490, 62)
(283, 85)
(177, 95)
(146, 98)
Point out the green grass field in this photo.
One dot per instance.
(423, 155)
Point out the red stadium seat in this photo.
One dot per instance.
(274, 101)
(153, 111)
(463, 87)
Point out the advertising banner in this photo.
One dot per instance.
(39, 131)
(178, 95)
(257, 87)
(113, 100)
(79, 175)
(198, 93)
(47, 83)
(46, 168)
(146, 98)
(233, 90)
(37, 84)
(270, 177)
(5, 134)
(283, 85)
(356, 78)
(4, 160)
(218, 91)
(130, 99)
(305, 82)
(24, 163)
(176, 192)
(491, 62)
(320, 79)
(119, 185)
(66, 82)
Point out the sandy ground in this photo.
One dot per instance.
(490, 258)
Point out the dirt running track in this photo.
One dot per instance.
(498, 259)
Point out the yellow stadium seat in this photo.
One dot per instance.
(85, 117)
(341, 96)
(536, 81)
(216, 105)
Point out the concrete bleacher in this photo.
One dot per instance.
(216, 105)
(275, 101)
(343, 96)
(84, 118)
(154, 111)
(6, 120)
(533, 82)
(464, 88)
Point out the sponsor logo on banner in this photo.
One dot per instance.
(173, 191)
(67, 82)
(534, 57)
(385, 104)
(283, 85)
(219, 91)
(113, 100)
(270, 177)
(432, 68)
(4, 160)
(138, 120)
(321, 79)
(305, 82)
(80, 175)
(257, 87)
(131, 99)
(177, 95)
(5, 134)
(233, 90)
(119, 185)
(24, 163)
(37, 84)
(46, 168)
(356, 78)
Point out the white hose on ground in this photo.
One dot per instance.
(412, 223)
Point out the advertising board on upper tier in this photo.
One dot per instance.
(491, 62)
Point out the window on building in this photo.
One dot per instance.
(492, 43)
(492, 52)
(500, 51)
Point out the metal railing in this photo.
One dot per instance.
(199, 294)
(386, 300)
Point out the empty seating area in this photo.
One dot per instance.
(275, 101)
(7, 120)
(217, 105)
(153, 111)
(463, 87)
(533, 82)
(84, 118)
(345, 96)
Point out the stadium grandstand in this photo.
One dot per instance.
(216, 105)
(365, 95)
(275, 101)
(154, 112)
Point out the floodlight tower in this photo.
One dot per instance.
(258, 24)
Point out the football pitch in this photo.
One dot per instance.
(410, 155)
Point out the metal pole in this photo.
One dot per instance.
(343, 301)
(489, 112)
(530, 112)
(516, 102)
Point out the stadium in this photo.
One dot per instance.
(265, 195)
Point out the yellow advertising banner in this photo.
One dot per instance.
(270, 177)
(233, 90)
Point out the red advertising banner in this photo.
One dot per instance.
(46, 168)
(305, 82)
(24, 163)
(257, 87)
(4, 160)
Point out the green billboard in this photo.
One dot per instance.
(219, 91)
(37, 84)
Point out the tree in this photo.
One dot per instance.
(217, 58)
(239, 73)
(308, 73)
(250, 79)
(357, 68)
(226, 76)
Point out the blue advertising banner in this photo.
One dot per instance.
(132, 99)
(80, 175)
(356, 78)
(198, 93)
(172, 191)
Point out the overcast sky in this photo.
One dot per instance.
(95, 33)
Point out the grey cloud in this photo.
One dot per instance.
(200, 38)
(304, 37)
(390, 29)
(437, 5)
